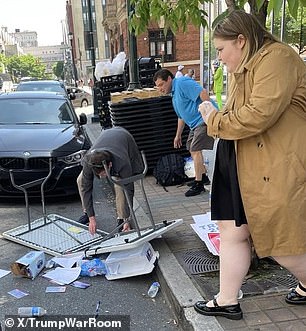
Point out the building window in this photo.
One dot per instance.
(121, 43)
(107, 50)
(161, 45)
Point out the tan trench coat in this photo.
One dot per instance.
(267, 120)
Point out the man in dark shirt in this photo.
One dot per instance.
(117, 147)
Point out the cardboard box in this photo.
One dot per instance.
(30, 265)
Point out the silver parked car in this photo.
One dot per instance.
(82, 98)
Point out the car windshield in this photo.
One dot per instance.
(41, 87)
(38, 111)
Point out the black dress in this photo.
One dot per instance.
(226, 202)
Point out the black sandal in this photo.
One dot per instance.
(232, 312)
(294, 298)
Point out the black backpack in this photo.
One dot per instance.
(169, 170)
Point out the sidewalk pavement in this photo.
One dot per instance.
(261, 312)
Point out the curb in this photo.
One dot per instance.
(180, 291)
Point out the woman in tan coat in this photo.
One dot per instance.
(259, 184)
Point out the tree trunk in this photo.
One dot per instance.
(230, 5)
(260, 14)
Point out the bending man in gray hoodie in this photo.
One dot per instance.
(117, 147)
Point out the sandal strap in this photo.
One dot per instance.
(215, 302)
(301, 287)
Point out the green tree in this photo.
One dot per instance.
(58, 70)
(295, 32)
(180, 13)
(26, 66)
(3, 61)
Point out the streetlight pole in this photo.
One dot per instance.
(133, 65)
(75, 74)
(91, 39)
(80, 59)
(95, 118)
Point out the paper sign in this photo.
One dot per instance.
(215, 240)
(208, 231)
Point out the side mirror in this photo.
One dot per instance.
(72, 96)
(83, 119)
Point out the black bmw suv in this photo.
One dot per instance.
(41, 135)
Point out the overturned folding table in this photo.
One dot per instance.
(58, 235)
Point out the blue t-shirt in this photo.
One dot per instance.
(186, 100)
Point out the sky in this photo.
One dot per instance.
(42, 16)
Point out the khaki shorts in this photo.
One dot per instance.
(198, 139)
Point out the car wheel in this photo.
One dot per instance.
(84, 103)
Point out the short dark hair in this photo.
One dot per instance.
(162, 74)
(95, 158)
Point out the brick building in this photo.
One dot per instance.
(171, 49)
(110, 33)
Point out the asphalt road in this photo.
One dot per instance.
(118, 297)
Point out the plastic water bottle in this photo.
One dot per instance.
(206, 163)
(31, 311)
(153, 289)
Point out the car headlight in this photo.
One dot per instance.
(73, 158)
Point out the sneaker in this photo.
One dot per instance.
(191, 183)
(196, 189)
(205, 181)
(84, 219)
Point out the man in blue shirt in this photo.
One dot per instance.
(187, 95)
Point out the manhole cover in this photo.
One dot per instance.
(199, 262)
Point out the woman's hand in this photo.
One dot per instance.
(206, 108)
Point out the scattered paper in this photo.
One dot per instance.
(17, 293)
(208, 231)
(75, 229)
(202, 217)
(68, 261)
(63, 275)
(55, 282)
(55, 289)
(79, 284)
(4, 273)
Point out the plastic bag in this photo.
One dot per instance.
(189, 167)
(107, 68)
(92, 268)
(118, 63)
(103, 69)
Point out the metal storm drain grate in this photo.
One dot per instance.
(257, 283)
(199, 262)
(266, 278)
